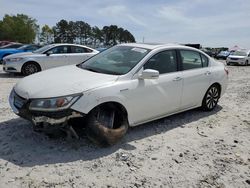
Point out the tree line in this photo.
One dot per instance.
(24, 29)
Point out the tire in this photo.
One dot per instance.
(211, 98)
(98, 129)
(30, 68)
(246, 63)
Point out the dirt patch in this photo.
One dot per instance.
(191, 149)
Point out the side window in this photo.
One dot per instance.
(77, 49)
(59, 50)
(204, 60)
(164, 62)
(34, 47)
(30, 48)
(190, 59)
(16, 46)
(88, 50)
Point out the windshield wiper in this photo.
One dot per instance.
(90, 69)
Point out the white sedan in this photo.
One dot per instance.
(47, 57)
(239, 58)
(126, 85)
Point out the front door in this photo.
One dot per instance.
(149, 99)
(57, 56)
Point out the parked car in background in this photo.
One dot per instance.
(4, 42)
(24, 48)
(239, 58)
(222, 55)
(12, 45)
(126, 85)
(47, 57)
(209, 52)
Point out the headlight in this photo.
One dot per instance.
(13, 59)
(53, 104)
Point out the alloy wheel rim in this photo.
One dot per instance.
(30, 69)
(212, 97)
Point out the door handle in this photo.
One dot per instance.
(177, 79)
(207, 73)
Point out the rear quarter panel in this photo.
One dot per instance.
(219, 75)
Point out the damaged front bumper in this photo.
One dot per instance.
(20, 106)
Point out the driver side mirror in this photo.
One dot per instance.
(49, 53)
(149, 74)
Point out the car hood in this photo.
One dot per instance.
(22, 54)
(236, 56)
(61, 81)
(10, 50)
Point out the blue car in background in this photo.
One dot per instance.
(25, 48)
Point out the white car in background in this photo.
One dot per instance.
(47, 57)
(239, 58)
(126, 85)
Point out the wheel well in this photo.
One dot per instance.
(32, 62)
(218, 85)
(115, 105)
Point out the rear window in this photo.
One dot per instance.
(190, 59)
(77, 49)
(204, 60)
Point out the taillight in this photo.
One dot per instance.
(226, 70)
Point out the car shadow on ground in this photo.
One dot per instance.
(10, 75)
(20, 145)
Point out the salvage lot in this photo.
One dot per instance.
(194, 148)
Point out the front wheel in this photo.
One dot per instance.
(106, 125)
(211, 98)
(246, 63)
(30, 68)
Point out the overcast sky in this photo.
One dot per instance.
(208, 22)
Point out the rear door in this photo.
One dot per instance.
(78, 54)
(196, 76)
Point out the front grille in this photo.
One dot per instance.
(19, 101)
(11, 68)
(231, 62)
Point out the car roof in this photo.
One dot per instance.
(60, 44)
(152, 46)
(69, 44)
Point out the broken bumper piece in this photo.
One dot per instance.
(45, 119)
(20, 106)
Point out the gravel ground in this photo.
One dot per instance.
(190, 149)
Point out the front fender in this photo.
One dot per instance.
(86, 103)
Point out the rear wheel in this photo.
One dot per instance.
(30, 68)
(106, 125)
(211, 98)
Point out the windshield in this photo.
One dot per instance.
(23, 47)
(117, 60)
(224, 53)
(239, 53)
(43, 49)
